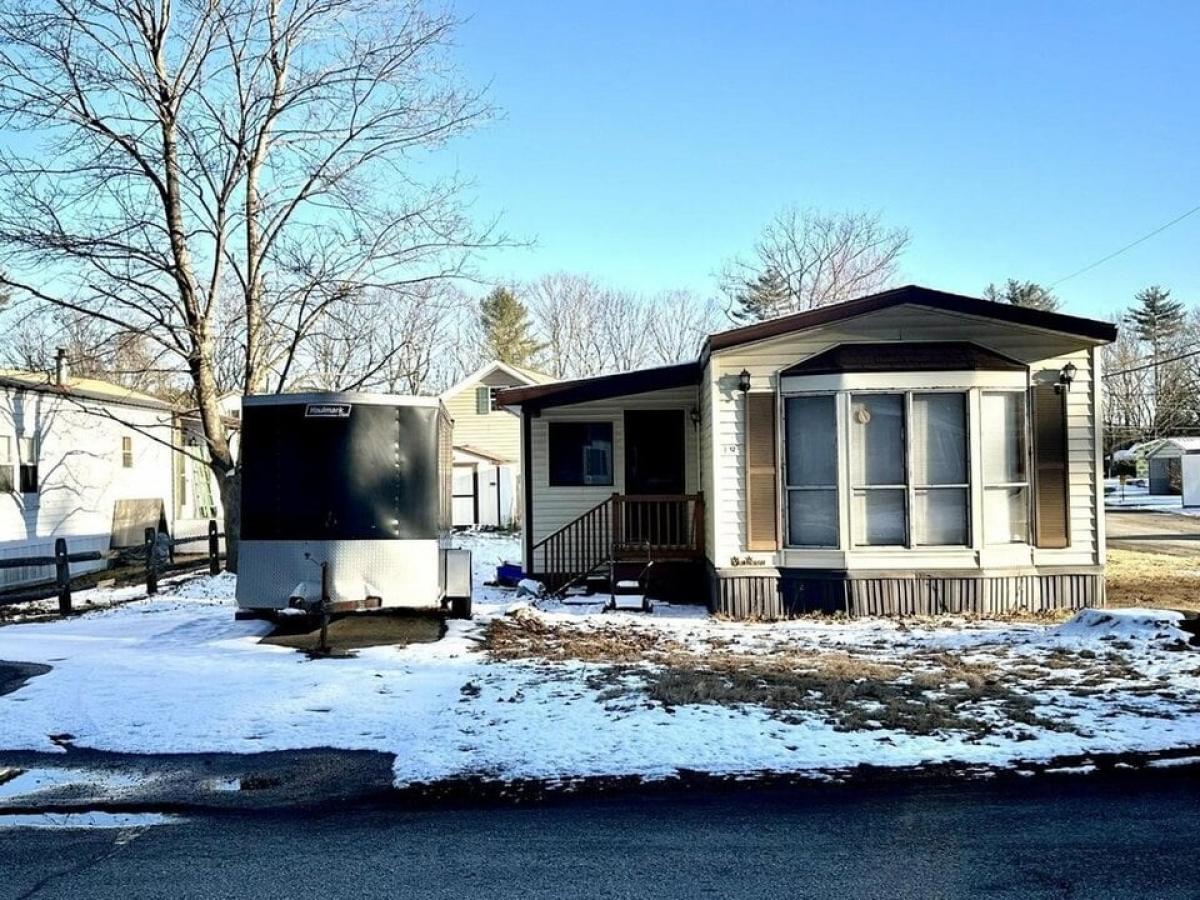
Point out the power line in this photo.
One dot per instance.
(1159, 230)
(1151, 365)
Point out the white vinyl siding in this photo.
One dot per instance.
(554, 507)
(496, 432)
(80, 476)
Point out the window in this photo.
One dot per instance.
(29, 465)
(939, 469)
(877, 470)
(811, 470)
(127, 453)
(492, 392)
(485, 398)
(581, 453)
(7, 481)
(1005, 469)
(909, 478)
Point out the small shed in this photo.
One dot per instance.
(1164, 460)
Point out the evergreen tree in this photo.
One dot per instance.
(1160, 322)
(763, 297)
(1156, 318)
(507, 331)
(1022, 293)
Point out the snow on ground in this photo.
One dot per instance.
(177, 673)
(86, 820)
(1137, 496)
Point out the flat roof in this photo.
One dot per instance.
(339, 397)
(601, 387)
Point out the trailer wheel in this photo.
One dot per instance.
(460, 607)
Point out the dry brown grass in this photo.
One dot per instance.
(929, 692)
(526, 635)
(1134, 578)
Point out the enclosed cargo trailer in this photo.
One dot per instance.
(346, 504)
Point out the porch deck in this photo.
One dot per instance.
(624, 528)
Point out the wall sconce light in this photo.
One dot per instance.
(744, 381)
(1066, 376)
(695, 414)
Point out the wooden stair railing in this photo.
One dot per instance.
(643, 526)
(575, 549)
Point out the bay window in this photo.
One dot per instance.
(907, 472)
(810, 473)
(1005, 469)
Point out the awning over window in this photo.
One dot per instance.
(906, 356)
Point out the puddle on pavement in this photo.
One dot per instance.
(26, 782)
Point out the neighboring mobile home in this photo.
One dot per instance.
(912, 451)
(91, 462)
(487, 446)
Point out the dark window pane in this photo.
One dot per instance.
(811, 440)
(29, 479)
(581, 453)
(812, 518)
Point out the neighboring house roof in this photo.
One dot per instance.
(81, 388)
(1092, 329)
(1175, 445)
(481, 455)
(580, 390)
(915, 356)
(521, 374)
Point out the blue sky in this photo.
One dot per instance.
(645, 142)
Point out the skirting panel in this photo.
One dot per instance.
(788, 593)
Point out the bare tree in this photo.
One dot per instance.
(679, 323)
(819, 258)
(224, 177)
(565, 309)
(392, 341)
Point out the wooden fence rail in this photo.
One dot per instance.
(62, 559)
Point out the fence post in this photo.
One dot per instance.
(62, 575)
(151, 562)
(214, 549)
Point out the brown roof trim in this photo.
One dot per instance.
(906, 356)
(602, 387)
(1091, 329)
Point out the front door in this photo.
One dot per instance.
(654, 454)
(654, 465)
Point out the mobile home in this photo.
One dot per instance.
(912, 451)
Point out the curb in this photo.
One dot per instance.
(480, 792)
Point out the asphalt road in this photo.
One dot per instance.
(1153, 532)
(1077, 836)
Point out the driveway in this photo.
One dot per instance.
(1152, 532)
(1077, 836)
